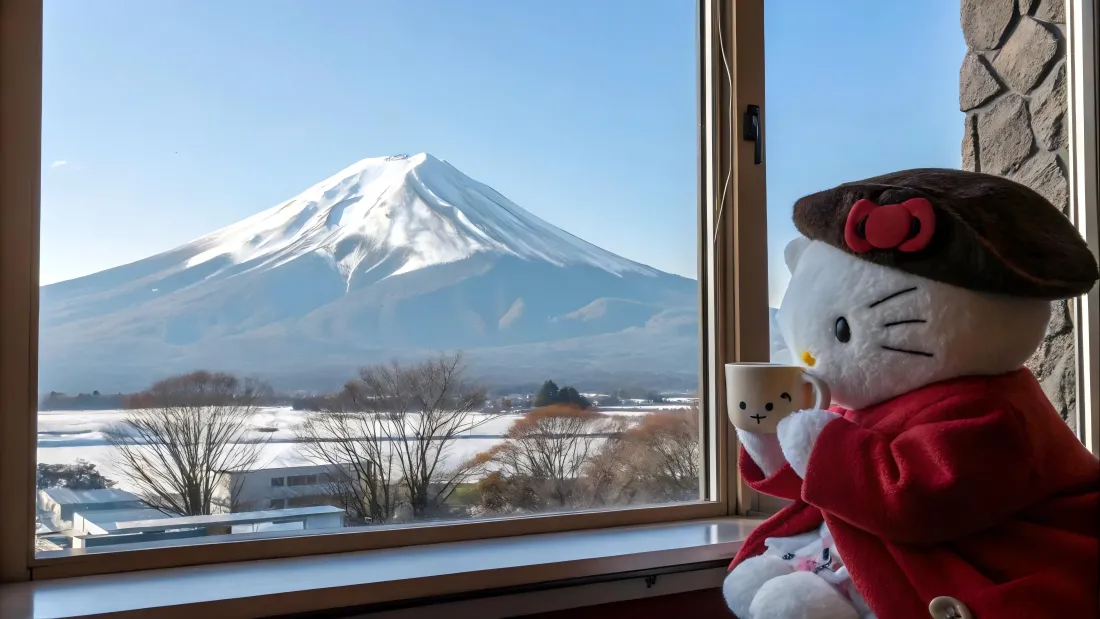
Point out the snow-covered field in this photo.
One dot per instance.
(65, 436)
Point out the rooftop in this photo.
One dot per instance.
(271, 515)
(49, 522)
(44, 545)
(110, 520)
(68, 496)
(289, 465)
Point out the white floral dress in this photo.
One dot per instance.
(816, 552)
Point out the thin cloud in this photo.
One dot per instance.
(59, 163)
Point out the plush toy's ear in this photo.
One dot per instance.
(794, 250)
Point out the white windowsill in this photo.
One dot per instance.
(354, 579)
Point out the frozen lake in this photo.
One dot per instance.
(65, 436)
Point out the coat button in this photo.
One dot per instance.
(945, 607)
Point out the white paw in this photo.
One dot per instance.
(745, 580)
(800, 595)
(764, 450)
(798, 433)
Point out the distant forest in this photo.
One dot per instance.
(513, 395)
(96, 401)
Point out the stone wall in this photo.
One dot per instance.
(1012, 86)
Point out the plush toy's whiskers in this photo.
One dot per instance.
(891, 296)
(919, 353)
(911, 321)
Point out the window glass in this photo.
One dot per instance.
(861, 88)
(859, 104)
(377, 262)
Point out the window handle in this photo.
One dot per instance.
(751, 131)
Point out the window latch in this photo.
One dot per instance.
(751, 133)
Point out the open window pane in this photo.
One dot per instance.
(859, 105)
(986, 92)
(358, 264)
(844, 114)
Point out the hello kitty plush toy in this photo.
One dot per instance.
(941, 482)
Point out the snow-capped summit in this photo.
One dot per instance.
(391, 255)
(402, 213)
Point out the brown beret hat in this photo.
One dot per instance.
(968, 229)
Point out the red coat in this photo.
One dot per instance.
(972, 488)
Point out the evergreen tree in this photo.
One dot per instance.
(550, 394)
(82, 475)
(570, 396)
(547, 395)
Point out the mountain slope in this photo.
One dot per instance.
(392, 256)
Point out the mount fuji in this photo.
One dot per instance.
(392, 257)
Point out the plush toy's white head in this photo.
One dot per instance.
(873, 333)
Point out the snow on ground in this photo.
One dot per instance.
(273, 455)
(65, 436)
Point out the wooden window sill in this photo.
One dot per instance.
(362, 579)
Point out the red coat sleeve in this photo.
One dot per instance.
(784, 483)
(962, 465)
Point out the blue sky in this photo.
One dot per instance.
(166, 120)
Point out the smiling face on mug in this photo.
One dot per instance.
(759, 395)
(761, 412)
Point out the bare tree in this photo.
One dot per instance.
(183, 435)
(655, 460)
(608, 478)
(669, 458)
(395, 426)
(545, 452)
(355, 443)
(498, 494)
(428, 405)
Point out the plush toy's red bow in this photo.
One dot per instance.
(907, 227)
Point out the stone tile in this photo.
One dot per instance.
(1049, 108)
(1004, 135)
(1026, 56)
(1052, 11)
(984, 22)
(976, 82)
(1054, 363)
(1044, 174)
(969, 148)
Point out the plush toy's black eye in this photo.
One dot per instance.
(742, 405)
(768, 406)
(843, 331)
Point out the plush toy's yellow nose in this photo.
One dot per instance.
(808, 359)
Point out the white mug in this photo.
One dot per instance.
(759, 395)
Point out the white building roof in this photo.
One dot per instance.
(68, 496)
(45, 545)
(110, 519)
(277, 471)
(183, 522)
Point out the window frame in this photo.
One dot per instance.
(733, 316)
(1083, 58)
